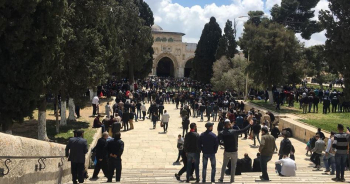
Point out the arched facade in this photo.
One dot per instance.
(169, 45)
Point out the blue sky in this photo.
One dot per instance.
(184, 16)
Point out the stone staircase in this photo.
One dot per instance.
(154, 175)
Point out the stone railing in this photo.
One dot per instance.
(300, 130)
(32, 161)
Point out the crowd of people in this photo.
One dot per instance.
(308, 99)
(196, 100)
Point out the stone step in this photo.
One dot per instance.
(148, 175)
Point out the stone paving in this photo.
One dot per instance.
(149, 155)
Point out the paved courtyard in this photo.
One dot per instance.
(149, 156)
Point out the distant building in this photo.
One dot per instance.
(172, 57)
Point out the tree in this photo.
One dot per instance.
(297, 15)
(205, 52)
(337, 48)
(317, 64)
(136, 39)
(227, 43)
(229, 74)
(273, 50)
(29, 33)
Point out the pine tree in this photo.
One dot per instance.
(337, 48)
(227, 43)
(297, 15)
(206, 51)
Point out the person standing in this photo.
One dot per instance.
(154, 119)
(95, 102)
(192, 149)
(185, 124)
(208, 143)
(143, 109)
(101, 156)
(328, 159)
(229, 137)
(180, 147)
(317, 152)
(116, 126)
(256, 132)
(75, 151)
(115, 149)
(266, 149)
(125, 119)
(165, 120)
(108, 110)
(275, 132)
(138, 110)
(340, 144)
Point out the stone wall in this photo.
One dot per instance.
(300, 130)
(23, 170)
(97, 135)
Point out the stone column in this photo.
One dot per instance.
(181, 72)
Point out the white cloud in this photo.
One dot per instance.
(270, 3)
(316, 39)
(322, 5)
(191, 20)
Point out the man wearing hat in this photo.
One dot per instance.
(75, 151)
(208, 143)
(229, 137)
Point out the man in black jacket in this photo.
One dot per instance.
(208, 143)
(230, 138)
(101, 156)
(75, 151)
(115, 149)
(191, 147)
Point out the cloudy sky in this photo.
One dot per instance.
(190, 16)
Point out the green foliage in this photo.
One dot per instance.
(229, 74)
(30, 34)
(273, 52)
(227, 43)
(205, 52)
(337, 48)
(296, 15)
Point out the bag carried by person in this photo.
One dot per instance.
(161, 124)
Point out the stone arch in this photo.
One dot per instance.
(188, 65)
(166, 55)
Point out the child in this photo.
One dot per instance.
(180, 145)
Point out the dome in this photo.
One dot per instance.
(155, 27)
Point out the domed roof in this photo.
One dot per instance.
(155, 27)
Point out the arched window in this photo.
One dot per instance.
(170, 40)
(158, 39)
(164, 39)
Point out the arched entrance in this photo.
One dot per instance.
(188, 68)
(165, 67)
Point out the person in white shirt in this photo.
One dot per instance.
(288, 166)
(108, 110)
(95, 102)
(165, 121)
(143, 109)
(329, 159)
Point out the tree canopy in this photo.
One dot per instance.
(227, 43)
(206, 51)
(272, 50)
(229, 74)
(297, 15)
(337, 49)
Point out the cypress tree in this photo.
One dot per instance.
(206, 51)
(227, 43)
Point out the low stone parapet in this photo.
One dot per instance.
(31, 170)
